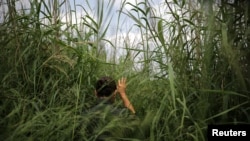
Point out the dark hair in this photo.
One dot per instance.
(105, 86)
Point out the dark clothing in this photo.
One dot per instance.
(104, 105)
(107, 121)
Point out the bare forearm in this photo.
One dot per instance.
(127, 103)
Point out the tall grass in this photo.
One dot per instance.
(189, 69)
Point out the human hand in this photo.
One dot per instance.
(121, 86)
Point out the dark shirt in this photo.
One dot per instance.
(108, 108)
(105, 119)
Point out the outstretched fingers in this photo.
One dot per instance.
(123, 80)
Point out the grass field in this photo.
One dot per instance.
(189, 68)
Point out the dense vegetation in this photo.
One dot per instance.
(188, 68)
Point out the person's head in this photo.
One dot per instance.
(105, 87)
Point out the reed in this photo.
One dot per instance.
(189, 69)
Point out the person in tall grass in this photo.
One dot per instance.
(106, 90)
(119, 120)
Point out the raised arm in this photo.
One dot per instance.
(121, 88)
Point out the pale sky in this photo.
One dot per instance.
(127, 32)
(125, 22)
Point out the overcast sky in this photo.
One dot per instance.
(126, 29)
(126, 32)
(125, 22)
